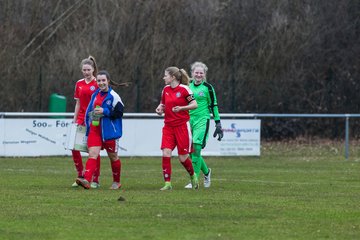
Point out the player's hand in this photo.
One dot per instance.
(176, 109)
(160, 109)
(218, 131)
(98, 111)
(94, 114)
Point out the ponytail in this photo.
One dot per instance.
(180, 74)
(94, 65)
(111, 82)
(184, 77)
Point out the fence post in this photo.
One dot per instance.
(347, 137)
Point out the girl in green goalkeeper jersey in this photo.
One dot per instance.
(200, 119)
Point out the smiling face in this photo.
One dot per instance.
(87, 71)
(199, 74)
(102, 82)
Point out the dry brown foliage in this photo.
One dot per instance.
(263, 56)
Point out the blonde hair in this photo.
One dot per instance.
(200, 65)
(179, 74)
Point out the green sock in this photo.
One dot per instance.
(200, 160)
(196, 159)
(204, 167)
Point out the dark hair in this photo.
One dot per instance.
(90, 61)
(111, 82)
(104, 72)
(180, 74)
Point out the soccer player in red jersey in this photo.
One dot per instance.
(84, 88)
(176, 101)
(104, 129)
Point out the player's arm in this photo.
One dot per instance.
(161, 107)
(215, 112)
(77, 104)
(192, 104)
(77, 109)
(213, 106)
(117, 110)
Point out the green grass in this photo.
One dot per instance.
(290, 192)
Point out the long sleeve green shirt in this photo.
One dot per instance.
(205, 97)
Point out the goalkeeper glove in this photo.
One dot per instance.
(218, 131)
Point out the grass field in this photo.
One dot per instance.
(290, 192)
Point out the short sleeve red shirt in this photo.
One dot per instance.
(99, 98)
(83, 92)
(178, 96)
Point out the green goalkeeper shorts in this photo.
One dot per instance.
(200, 131)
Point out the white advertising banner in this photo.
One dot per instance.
(34, 137)
(241, 138)
(2, 135)
(141, 137)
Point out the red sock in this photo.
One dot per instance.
(90, 168)
(78, 162)
(116, 170)
(166, 166)
(97, 170)
(188, 166)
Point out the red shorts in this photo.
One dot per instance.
(179, 136)
(95, 140)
